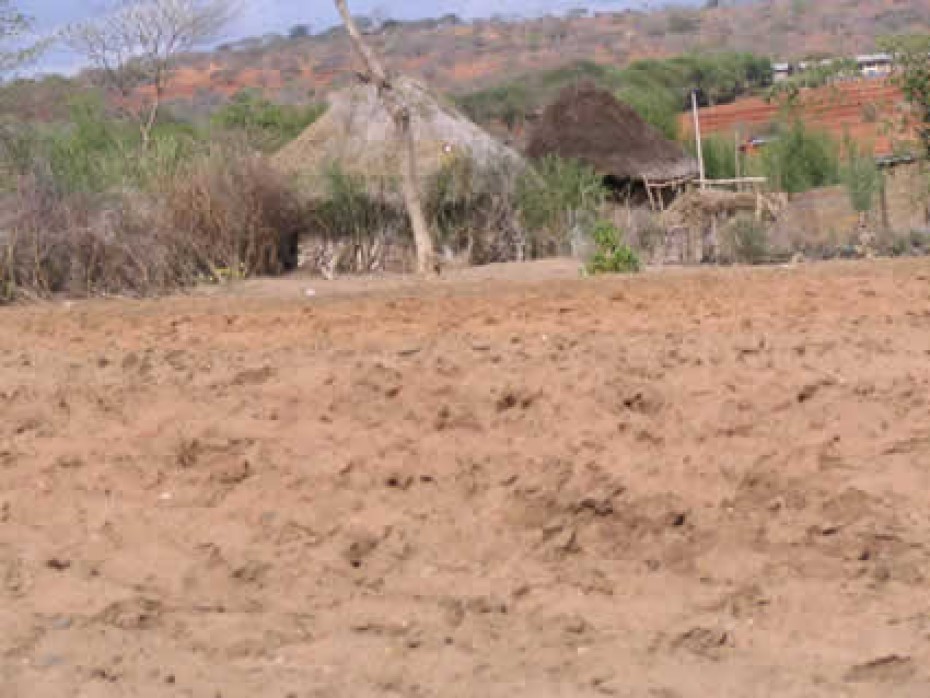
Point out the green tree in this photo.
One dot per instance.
(911, 55)
(719, 156)
(268, 125)
(861, 177)
(658, 107)
(799, 159)
(135, 46)
(560, 198)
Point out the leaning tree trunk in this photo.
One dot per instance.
(400, 113)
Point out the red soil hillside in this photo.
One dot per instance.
(870, 111)
(461, 57)
(456, 58)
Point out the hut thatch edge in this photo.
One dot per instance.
(358, 135)
(590, 125)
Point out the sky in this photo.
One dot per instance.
(262, 16)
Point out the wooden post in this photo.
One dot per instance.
(697, 135)
(652, 203)
(736, 139)
(397, 107)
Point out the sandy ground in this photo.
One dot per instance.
(706, 483)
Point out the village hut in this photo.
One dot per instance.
(357, 135)
(463, 173)
(590, 125)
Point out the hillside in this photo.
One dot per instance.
(458, 57)
(869, 111)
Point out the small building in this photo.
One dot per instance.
(357, 135)
(592, 126)
(356, 142)
(781, 72)
(875, 65)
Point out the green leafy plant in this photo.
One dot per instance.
(612, 255)
(719, 156)
(267, 125)
(861, 177)
(800, 159)
(911, 56)
(472, 208)
(559, 200)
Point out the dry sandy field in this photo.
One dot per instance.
(709, 483)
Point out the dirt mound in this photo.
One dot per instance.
(589, 124)
(464, 488)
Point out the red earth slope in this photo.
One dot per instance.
(872, 112)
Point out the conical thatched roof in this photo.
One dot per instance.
(358, 135)
(588, 124)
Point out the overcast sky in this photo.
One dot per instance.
(262, 16)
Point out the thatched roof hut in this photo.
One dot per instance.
(588, 124)
(358, 135)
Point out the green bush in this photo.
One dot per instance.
(95, 152)
(657, 89)
(509, 103)
(559, 200)
(656, 106)
(267, 125)
(719, 156)
(472, 208)
(800, 159)
(362, 224)
(861, 177)
(788, 91)
(612, 256)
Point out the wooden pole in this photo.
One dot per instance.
(396, 106)
(697, 135)
(652, 203)
(736, 139)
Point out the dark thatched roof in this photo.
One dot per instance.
(588, 124)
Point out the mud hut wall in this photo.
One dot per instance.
(826, 216)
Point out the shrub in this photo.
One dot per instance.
(267, 125)
(228, 215)
(744, 240)
(559, 202)
(473, 209)
(861, 177)
(239, 214)
(800, 159)
(509, 103)
(656, 106)
(719, 156)
(75, 245)
(94, 152)
(612, 256)
(362, 226)
(19, 149)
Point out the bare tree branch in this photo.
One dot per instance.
(16, 48)
(137, 43)
(400, 113)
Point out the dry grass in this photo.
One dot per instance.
(238, 213)
(228, 215)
